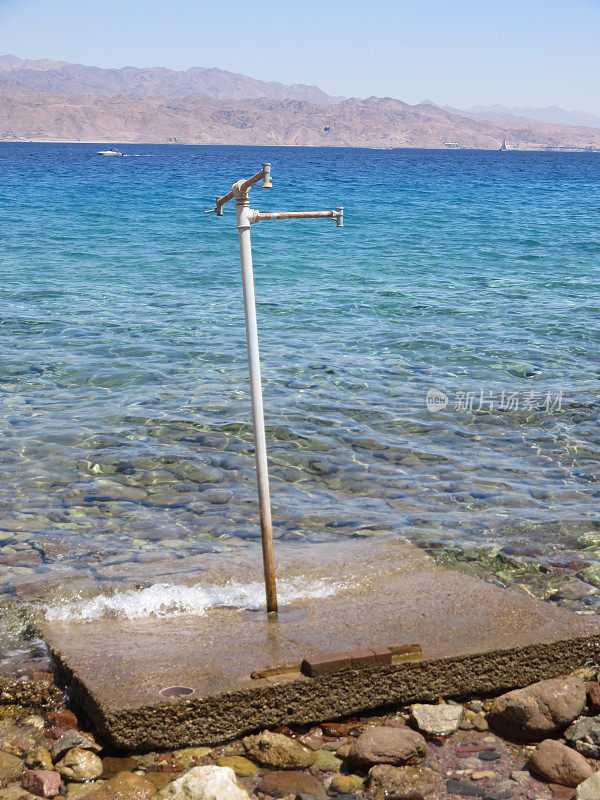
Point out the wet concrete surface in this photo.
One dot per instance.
(475, 638)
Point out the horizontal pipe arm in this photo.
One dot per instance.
(337, 215)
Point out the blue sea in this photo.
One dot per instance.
(430, 371)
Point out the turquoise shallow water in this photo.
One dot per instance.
(125, 418)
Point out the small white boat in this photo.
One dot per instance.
(112, 152)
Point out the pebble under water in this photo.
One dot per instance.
(126, 435)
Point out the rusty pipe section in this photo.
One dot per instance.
(337, 215)
(243, 186)
(264, 175)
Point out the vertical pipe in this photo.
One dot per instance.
(260, 444)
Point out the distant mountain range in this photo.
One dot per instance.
(57, 101)
(65, 78)
(552, 114)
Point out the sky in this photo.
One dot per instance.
(455, 52)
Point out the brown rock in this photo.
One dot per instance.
(346, 784)
(276, 750)
(561, 792)
(42, 782)
(112, 765)
(160, 779)
(383, 745)
(538, 710)
(42, 675)
(557, 763)
(336, 728)
(39, 758)
(16, 792)
(11, 768)
(191, 757)
(243, 767)
(55, 732)
(593, 696)
(80, 765)
(283, 784)
(16, 740)
(124, 786)
(63, 718)
(402, 783)
(394, 722)
(313, 739)
(77, 791)
(343, 750)
(480, 723)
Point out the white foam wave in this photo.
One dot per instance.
(168, 600)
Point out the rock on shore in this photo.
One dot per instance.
(589, 789)
(276, 750)
(48, 757)
(557, 763)
(204, 783)
(539, 710)
(385, 745)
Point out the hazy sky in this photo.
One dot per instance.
(457, 52)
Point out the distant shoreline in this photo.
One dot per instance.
(307, 146)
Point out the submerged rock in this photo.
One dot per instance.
(346, 784)
(437, 720)
(540, 709)
(204, 783)
(189, 756)
(80, 765)
(62, 718)
(11, 768)
(326, 761)
(286, 784)
(557, 763)
(402, 782)
(279, 751)
(16, 792)
(384, 745)
(39, 758)
(71, 739)
(113, 765)
(124, 786)
(76, 791)
(42, 782)
(243, 767)
(17, 740)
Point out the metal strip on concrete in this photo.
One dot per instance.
(475, 637)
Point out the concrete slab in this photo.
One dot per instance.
(475, 638)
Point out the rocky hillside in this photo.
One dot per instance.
(37, 115)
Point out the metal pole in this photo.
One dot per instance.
(260, 443)
(246, 217)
